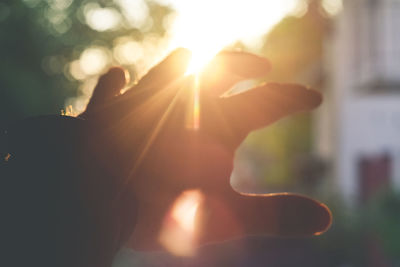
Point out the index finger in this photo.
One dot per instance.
(243, 64)
(229, 67)
(265, 104)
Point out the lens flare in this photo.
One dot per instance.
(193, 112)
(196, 106)
(185, 209)
(178, 234)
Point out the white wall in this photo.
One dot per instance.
(353, 120)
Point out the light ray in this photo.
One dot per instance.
(193, 113)
(155, 131)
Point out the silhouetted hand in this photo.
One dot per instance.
(164, 139)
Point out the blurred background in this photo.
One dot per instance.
(346, 153)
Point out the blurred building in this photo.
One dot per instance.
(359, 123)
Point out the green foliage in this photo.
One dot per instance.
(280, 145)
(294, 47)
(38, 40)
(382, 215)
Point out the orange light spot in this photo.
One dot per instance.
(7, 157)
(178, 234)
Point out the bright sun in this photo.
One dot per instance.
(205, 27)
(199, 59)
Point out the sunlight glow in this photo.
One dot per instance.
(178, 235)
(199, 60)
(206, 27)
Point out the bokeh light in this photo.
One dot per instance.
(59, 4)
(76, 71)
(101, 19)
(332, 7)
(93, 60)
(127, 50)
(135, 12)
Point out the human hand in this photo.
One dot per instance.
(148, 137)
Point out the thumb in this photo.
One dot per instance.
(232, 215)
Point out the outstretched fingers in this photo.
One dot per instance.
(152, 95)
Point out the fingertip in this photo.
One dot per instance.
(116, 77)
(299, 97)
(108, 86)
(267, 103)
(304, 216)
(283, 214)
(314, 98)
(325, 219)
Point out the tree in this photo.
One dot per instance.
(40, 39)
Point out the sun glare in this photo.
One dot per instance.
(178, 234)
(199, 60)
(206, 27)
